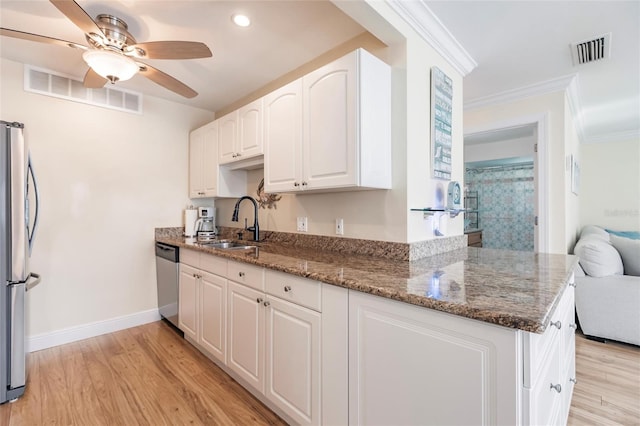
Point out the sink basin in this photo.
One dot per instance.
(228, 245)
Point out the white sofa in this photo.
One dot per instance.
(608, 286)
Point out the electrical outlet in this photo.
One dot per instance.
(302, 224)
(339, 226)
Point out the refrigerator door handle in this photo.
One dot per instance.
(32, 284)
(32, 233)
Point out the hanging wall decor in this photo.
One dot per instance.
(441, 112)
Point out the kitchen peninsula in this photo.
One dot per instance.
(496, 336)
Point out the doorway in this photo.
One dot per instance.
(504, 173)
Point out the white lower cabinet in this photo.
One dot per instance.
(410, 365)
(203, 301)
(293, 360)
(188, 301)
(246, 334)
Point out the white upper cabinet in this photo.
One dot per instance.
(283, 138)
(206, 178)
(202, 161)
(331, 130)
(241, 134)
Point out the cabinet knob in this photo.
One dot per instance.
(287, 288)
(238, 155)
(259, 300)
(573, 380)
(575, 326)
(233, 155)
(557, 387)
(296, 184)
(267, 303)
(304, 183)
(557, 324)
(241, 274)
(572, 285)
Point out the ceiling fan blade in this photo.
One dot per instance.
(93, 80)
(39, 38)
(77, 15)
(170, 50)
(166, 81)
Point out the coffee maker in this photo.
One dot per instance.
(206, 224)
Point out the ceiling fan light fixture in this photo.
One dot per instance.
(111, 65)
(241, 20)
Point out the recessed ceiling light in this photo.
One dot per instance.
(241, 20)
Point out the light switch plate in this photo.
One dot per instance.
(339, 226)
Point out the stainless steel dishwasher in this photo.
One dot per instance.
(167, 258)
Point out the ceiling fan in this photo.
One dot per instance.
(113, 54)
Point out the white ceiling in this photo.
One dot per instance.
(515, 43)
(283, 36)
(523, 43)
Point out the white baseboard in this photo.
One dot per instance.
(85, 331)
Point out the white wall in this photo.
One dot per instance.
(383, 214)
(553, 106)
(107, 179)
(610, 184)
(521, 147)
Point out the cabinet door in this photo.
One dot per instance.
(245, 327)
(188, 301)
(329, 123)
(227, 138)
(293, 360)
(196, 147)
(283, 138)
(250, 132)
(210, 160)
(213, 303)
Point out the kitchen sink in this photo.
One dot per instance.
(228, 245)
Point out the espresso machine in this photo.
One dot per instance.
(206, 224)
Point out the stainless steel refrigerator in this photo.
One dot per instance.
(17, 229)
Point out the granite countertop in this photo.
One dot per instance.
(509, 288)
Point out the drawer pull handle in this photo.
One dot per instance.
(259, 300)
(575, 326)
(267, 303)
(241, 274)
(557, 387)
(574, 381)
(287, 288)
(557, 324)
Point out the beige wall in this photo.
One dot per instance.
(610, 184)
(553, 107)
(107, 179)
(381, 214)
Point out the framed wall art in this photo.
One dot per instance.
(441, 119)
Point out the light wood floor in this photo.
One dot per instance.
(148, 375)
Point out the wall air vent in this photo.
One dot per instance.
(591, 50)
(46, 82)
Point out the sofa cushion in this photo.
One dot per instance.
(629, 252)
(598, 257)
(634, 235)
(594, 230)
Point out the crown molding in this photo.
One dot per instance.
(419, 17)
(549, 86)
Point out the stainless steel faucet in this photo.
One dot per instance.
(255, 228)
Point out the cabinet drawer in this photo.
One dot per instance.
(250, 275)
(301, 291)
(190, 257)
(213, 264)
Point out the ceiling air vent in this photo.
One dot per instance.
(591, 50)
